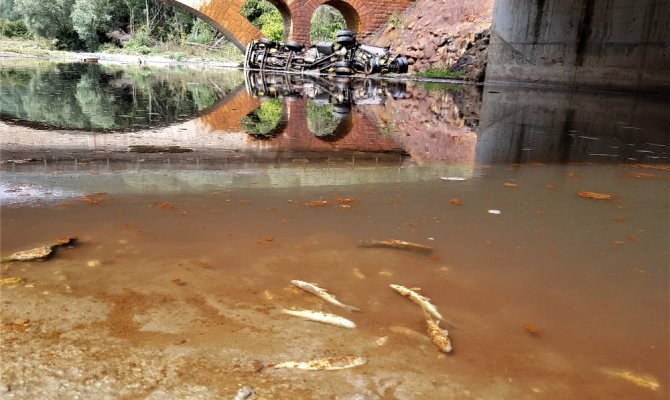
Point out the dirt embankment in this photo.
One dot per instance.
(442, 34)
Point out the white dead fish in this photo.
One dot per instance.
(245, 393)
(327, 364)
(642, 380)
(452, 178)
(322, 293)
(440, 337)
(396, 244)
(423, 301)
(320, 316)
(495, 212)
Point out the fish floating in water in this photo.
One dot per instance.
(40, 253)
(322, 293)
(244, 393)
(645, 381)
(423, 301)
(396, 244)
(10, 280)
(326, 364)
(320, 316)
(440, 337)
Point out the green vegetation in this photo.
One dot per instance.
(141, 27)
(326, 21)
(262, 122)
(265, 17)
(441, 87)
(395, 20)
(439, 73)
(129, 26)
(320, 119)
(9, 28)
(100, 97)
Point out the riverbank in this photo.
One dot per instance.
(36, 49)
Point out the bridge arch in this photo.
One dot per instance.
(361, 16)
(349, 13)
(225, 16)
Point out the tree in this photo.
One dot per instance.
(50, 19)
(90, 18)
(325, 22)
(8, 10)
(265, 17)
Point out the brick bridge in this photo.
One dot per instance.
(362, 16)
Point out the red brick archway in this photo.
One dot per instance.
(362, 16)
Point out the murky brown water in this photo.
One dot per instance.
(184, 260)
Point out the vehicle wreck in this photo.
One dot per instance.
(345, 56)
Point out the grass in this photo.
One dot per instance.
(439, 73)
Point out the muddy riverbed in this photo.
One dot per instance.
(176, 295)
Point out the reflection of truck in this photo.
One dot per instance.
(342, 92)
(345, 56)
(328, 101)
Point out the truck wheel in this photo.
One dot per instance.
(344, 33)
(373, 66)
(345, 41)
(344, 71)
(294, 46)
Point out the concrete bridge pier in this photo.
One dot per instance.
(600, 44)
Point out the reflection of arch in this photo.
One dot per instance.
(343, 127)
(274, 131)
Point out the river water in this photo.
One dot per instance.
(197, 196)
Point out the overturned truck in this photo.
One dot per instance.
(345, 56)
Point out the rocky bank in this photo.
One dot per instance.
(442, 35)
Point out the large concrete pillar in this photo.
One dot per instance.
(604, 44)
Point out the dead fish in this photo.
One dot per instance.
(423, 301)
(40, 253)
(440, 337)
(645, 381)
(10, 280)
(36, 254)
(396, 244)
(245, 393)
(320, 316)
(322, 293)
(327, 364)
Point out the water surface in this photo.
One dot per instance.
(189, 235)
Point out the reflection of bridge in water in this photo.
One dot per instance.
(361, 126)
(384, 121)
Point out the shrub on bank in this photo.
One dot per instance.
(13, 29)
